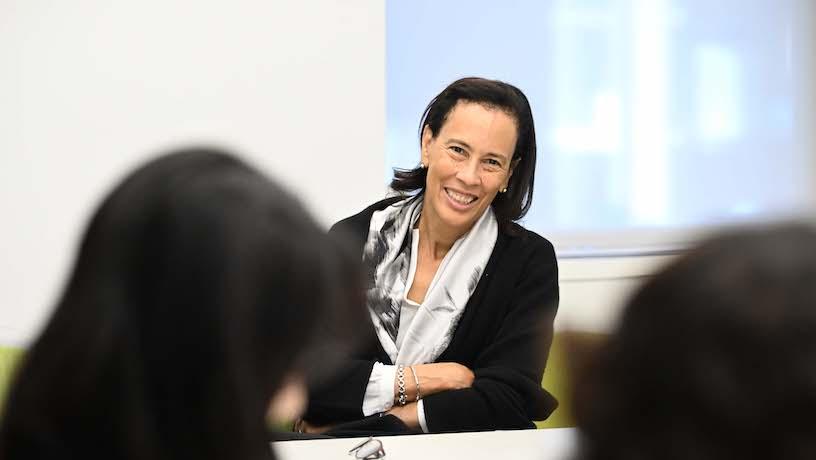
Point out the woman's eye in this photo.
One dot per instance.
(493, 163)
(457, 149)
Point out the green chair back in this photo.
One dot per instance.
(9, 358)
(566, 348)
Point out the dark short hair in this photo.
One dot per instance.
(514, 204)
(715, 357)
(197, 283)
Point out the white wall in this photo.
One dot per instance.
(90, 88)
(593, 291)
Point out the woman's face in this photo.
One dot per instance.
(469, 161)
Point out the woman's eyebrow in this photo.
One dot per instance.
(496, 155)
(464, 144)
(460, 142)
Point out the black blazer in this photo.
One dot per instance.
(504, 336)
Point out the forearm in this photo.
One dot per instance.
(388, 383)
(416, 382)
(428, 379)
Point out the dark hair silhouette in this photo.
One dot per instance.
(197, 282)
(512, 205)
(715, 357)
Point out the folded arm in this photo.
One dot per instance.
(506, 392)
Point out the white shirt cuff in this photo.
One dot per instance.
(379, 395)
(421, 416)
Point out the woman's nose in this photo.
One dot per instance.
(469, 173)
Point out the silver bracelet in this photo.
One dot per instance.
(403, 398)
(416, 380)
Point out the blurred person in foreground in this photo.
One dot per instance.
(461, 297)
(714, 358)
(180, 330)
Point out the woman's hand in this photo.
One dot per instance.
(407, 413)
(302, 426)
(435, 378)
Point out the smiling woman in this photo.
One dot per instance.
(461, 298)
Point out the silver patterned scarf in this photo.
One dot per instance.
(387, 256)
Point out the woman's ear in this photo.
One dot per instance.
(513, 165)
(427, 137)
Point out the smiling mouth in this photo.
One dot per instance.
(463, 199)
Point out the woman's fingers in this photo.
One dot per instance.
(302, 426)
(407, 413)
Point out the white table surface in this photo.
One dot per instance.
(545, 444)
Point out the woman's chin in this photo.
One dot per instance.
(457, 220)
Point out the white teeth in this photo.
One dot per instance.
(460, 198)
